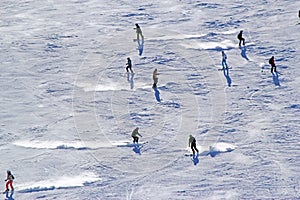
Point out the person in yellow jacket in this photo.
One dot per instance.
(192, 144)
(135, 133)
(138, 32)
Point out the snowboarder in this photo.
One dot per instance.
(192, 144)
(135, 133)
(272, 63)
(224, 58)
(240, 37)
(155, 78)
(9, 180)
(129, 65)
(138, 32)
(299, 14)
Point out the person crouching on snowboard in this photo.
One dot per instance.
(9, 180)
(192, 144)
(135, 134)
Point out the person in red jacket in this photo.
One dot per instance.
(272, 63)
(9, 180)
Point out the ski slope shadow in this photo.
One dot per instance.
(9, 195)
(226, 74)
(64, 182)
(243, 52)
(140, 46)
(217, 149)
(157, 94)
(130, 79)
(276, 79)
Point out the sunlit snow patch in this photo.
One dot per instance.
(78, 145)
(63, 182)
(220, 148)
(226, 44)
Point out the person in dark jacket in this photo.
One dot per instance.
(192, 144)
(272, 63)
(241, 39)
(129, 65)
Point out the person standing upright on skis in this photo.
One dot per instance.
(155, 78)
(129, 65)
(272, 63)
(224, 58)
(240, 37)
(9, 180)
(138, 32)
(135, 133)
(192, 144)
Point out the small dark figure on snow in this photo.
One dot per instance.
(272, 63)
(129, 65)
(224, 58)
(192, 144)
(9, 180)
(155, 78)
(299, 14)
(135, 133)
(241, 39)
(138, 32)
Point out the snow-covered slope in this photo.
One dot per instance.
(68, 106)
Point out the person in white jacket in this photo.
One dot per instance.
(135, 133)
(192, 144)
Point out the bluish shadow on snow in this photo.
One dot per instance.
(243, 52)
(137, 149)
(196, 159)
(130, 79)
(140, 46)
(275, 79)
(157, 94)
(226, 74)
(9, 195)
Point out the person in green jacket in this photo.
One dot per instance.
(135, 133)
(192, 144)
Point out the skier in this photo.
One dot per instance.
(272, 63)
(9, 180)
(240, 37)
(192, 144)
(135, 133)
(155, 78)
(138, 32)
(129, 65)
(224, 58)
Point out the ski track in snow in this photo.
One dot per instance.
(68, 106)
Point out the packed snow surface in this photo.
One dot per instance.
(68, 107)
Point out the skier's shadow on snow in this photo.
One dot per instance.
(275, 79)
(140, 46)
(226, 73)
(243, 52)
(130, 79)
(137, 149)
(157, 94)
(195, 159)
(9, 196)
